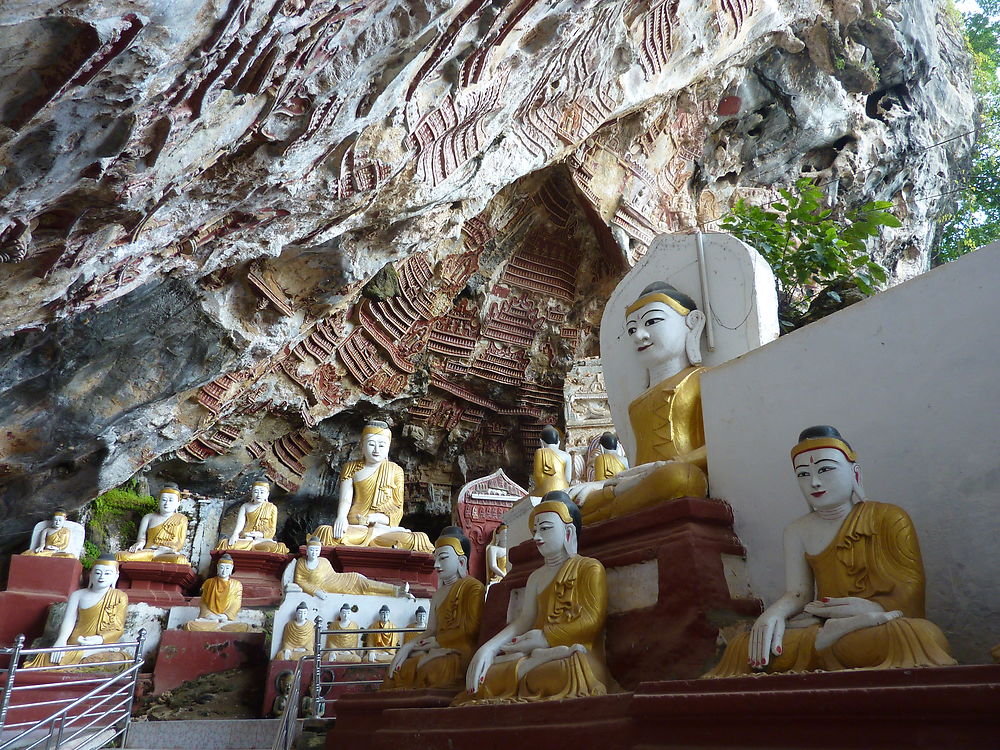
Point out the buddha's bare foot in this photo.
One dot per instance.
(836, 628)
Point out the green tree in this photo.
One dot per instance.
(975, 220)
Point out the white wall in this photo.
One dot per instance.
(911, 378)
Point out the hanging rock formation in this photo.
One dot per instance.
(231, 230)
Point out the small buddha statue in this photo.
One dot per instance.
(298, 639)
(382, 646)
(221, 599)
(256, 524)
(610, 461)
(671, 462)
(440, 656)
(854, 579)
(94, 616)
(370, 507)
(554, 648)
(58, 537)
(345, 645)
(419, 621)
(497, 565)
(315, 576)
(161, 534)
(553, 467)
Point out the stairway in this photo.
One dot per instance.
(209, 734)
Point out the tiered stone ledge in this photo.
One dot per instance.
(158, 584)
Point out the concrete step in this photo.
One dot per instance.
(207, 734)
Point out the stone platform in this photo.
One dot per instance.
(33, 584)
(184, 656)
(673, 578)
(259, 572)
(396, 566)
(158, 584)
(942, 707)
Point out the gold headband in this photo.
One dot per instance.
(811, 444)
(262, 484)
(59, 513)
(109, 563)
(314, 541)
(170, 491)
(550, 506)
(450, 541)
(657, 297)
(375, 430)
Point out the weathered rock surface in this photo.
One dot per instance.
(201, 197)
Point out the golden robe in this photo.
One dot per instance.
(265, 520)
(171, 533)
(105, 618)
(549, 472)
(324, 578)
(219, 597)
(875, 555)
(380, 492)
(607, 465)
(407, 637)
(345, 644)
(297, 636)
(59, 538)
(388, 642)
(502, 564)
(458, 617)
(667, 423)
(571, 610)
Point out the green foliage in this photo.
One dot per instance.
(116, 513)
(808, 247)
(976, 219)
(90, 554)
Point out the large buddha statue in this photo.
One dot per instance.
(298, 638)
(553, 467)
(161, 534)
(370, 508)
(94, 616)
(382, 646)
(344, 645)
(665, 328)
(221, 600)
(609, 461)
(854, 579)
(58, 537)
(256, 524)
(554, 648)
(439, 657)
(315, 575)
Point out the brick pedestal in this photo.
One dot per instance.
(183, 656)
(34, 583)
(260, 574)
(158, 584)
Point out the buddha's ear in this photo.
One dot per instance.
(463, 565)
(858, 491)
(695, 321)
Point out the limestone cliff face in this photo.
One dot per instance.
(231, 230)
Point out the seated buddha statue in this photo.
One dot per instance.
(553, 467)
(610, 462)
(161, 534)
(440, 656)
(497, 565)
(221, 599)
(419, 622)
(344, 646)
(56, 538)
(381, 646)
(370, 507)
(665, 328)
(854, 579)
(298, 638)
(315, 576)
(554, 648)
(94, 616)
(256, 524)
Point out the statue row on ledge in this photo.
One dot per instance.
(298, 639)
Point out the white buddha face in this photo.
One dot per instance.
(312, 552)
(259, 493)
(448, 563)
(345, 614)
(826, 478)
(225, 570)
(657, 332)
(103, 577)
(383, 616)
(422, 619)
(551, 534)
(301, 615)
(376, 447)
(58, 522)
(168, 503)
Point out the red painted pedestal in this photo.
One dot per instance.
(158, 584)
(32, 585)
(184, 656)
(359, 716)
(276, 669)
(260, 574)
(676, 636)
(396, 566)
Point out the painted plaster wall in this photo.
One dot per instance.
(911, 377)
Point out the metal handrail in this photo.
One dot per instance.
(90, 703)
(286, 735)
